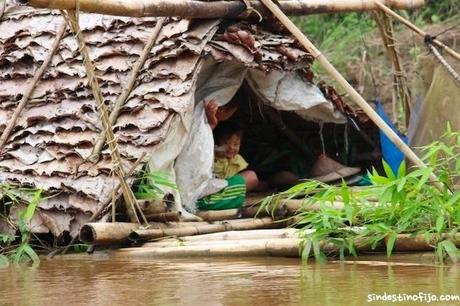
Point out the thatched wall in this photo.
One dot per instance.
(60, 124)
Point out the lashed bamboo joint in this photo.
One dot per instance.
(216, 9)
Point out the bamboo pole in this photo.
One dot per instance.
(30, 89)
(294, 206)
(216, 9)
(94, 157)
(165, 217)
(255, 211)
(284, 247)
(443, 61)
(219, 215)
(385, 26)
(354, 95)
(231, 225)
(423, 34)
(269, 246)
(419, 243)
(223, 236)
(107, 233)
(130, 200)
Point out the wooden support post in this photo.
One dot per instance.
(354, 95)
(401, 90)
(30, 89)
(417, 30)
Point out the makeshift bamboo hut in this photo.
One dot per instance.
(51, 121)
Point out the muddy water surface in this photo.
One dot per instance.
(204, 281)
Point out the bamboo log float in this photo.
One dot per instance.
(411, 243)
(215, 9)
(225, 236)
(294, 206)
(285, 247)
(165, 217)
(30, 89)
(381, 5)
(255, 211)
(219, 215)
(107, 233)
(96, 233)
(354, 95)
(231, 225)
(281, 247)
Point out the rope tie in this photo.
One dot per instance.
(251, 9)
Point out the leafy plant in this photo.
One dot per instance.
(151, 185)
(396, 203)
(9, 251)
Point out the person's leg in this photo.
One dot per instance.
(250, 178)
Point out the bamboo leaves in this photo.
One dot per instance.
(396, 204)
(151, 185)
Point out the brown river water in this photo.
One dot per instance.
(95, 280)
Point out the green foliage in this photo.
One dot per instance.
(438, 10)
(396, 203)
(341, 37)
(338, 36)
(21, 251)
(152, 185)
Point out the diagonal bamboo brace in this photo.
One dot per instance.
(354, 95)
(123, 98)
(31, 87)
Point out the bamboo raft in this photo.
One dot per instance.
(260, 234)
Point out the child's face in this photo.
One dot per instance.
(232, 145)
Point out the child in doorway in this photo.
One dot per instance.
(231, 166)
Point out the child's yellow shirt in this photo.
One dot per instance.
(225, 168)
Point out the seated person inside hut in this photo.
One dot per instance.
(228, 164)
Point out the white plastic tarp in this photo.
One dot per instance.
(219, 82)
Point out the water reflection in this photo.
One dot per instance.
(266, 281)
